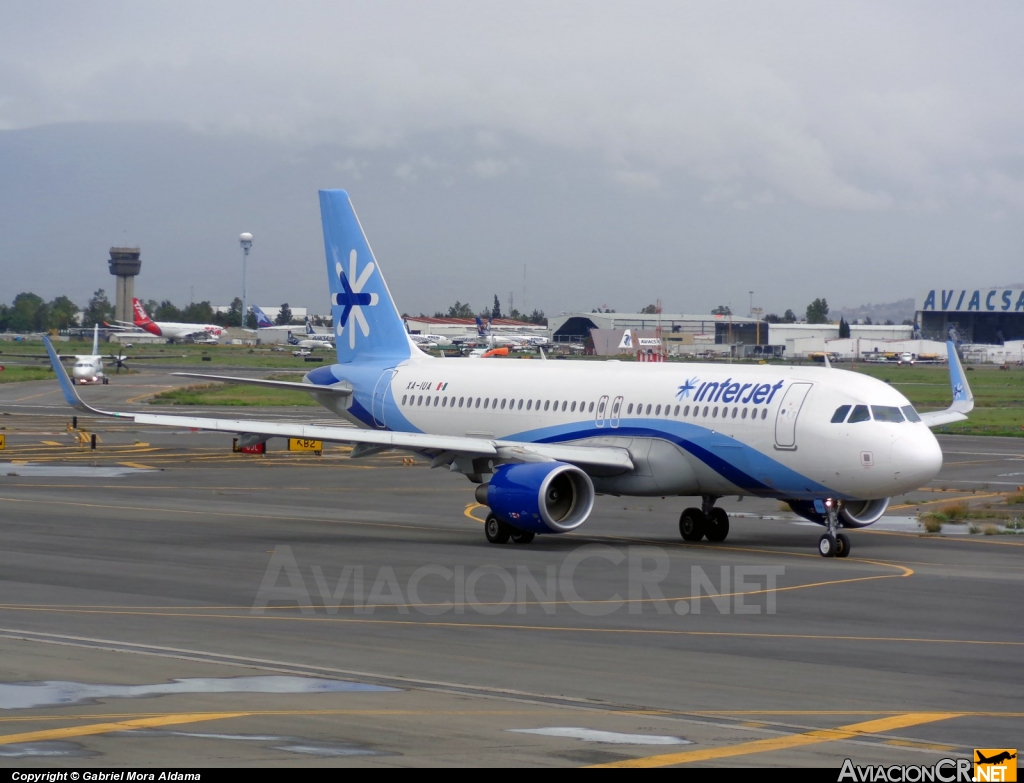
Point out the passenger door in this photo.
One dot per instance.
(601, 414)
(789, 410)
(616, 410)
(380, 392)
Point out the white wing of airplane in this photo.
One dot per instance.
(441, 447)
(963, 397)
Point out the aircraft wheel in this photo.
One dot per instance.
(842, 545)
(497, 532)
(827, 546)
(106, 381)
(692, 523)
(522, 537)
(717, 528)
(72, 381)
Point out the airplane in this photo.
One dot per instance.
(540, 440)
(486, 334)
(996, 759)
(311, 339)
(170, 329)
(89, 368)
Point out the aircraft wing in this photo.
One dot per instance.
(447, 447)
(963, 397)
(122, 326)
(343, 389)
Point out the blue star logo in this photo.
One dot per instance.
(352, 298)
(686, 388)
(958, 391)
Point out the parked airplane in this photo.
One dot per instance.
(262, 321)
(171, 329)
(542, 439)
(487, 334)
(311, 339)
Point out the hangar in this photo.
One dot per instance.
(980, 315)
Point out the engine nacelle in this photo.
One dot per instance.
(539, 497)
(852, 513)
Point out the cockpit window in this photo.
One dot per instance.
(840, 415)
(860, 413)
(886, 413)
(910, 413)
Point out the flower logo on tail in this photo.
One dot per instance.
(353, 299)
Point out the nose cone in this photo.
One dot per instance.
(916, 459)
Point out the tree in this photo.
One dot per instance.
(817, 312)
(198, 313)
(165, 311)
(98, 310)
(63, 313)
(789, 317)
(496, 310)
(233, 317)
(772, 318)
(27, 313)
(250, 320)
(844, 328)
(459, 310)
(649, 310)
(537, 317)
(284, 315)
(722, 310)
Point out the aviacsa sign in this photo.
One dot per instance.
(980, 300)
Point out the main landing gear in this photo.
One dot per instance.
(706, 522)
(499, 532)
(833, 544)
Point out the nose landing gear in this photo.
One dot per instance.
(833, 544)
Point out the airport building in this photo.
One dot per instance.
(991, 316)
(680, 332)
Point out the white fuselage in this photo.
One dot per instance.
(87, 369)
(691, 428)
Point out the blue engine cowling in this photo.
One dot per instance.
(539, 497)
(852, 513)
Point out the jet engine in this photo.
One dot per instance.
(852, 513)
(539, 497)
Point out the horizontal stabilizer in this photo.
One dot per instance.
(342, 388)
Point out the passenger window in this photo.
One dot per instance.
(886, 413)
(840, 415)
(734, 412)
(910, 413)
(573, 408)
(648, 409)
(403, 398)
(860, 413)
(705, 411)
(677, 411)
(529, 405)
(591, 408)
(477, 402)
(520, 406)
(444, 402)
(753, 413)
(420, 401)
(503, 403)
(764, 413)
(630, 408)
(714, 412)
(657, 411)
(436, 400)
(744, 413)
(564, 405)
(554, 405)
(725, 412)
(686, 411)
(487, 401)
(546, 404)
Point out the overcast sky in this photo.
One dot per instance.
(618, 152)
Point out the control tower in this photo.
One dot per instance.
(125, 263)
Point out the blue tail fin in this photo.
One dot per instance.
(262, 322)
(367, 325)
(309, 326)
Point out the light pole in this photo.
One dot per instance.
(245, 240)
(751, 303)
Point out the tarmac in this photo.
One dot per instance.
(165, 602)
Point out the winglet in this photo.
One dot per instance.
(70, 393)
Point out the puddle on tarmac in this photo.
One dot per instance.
(24, 695)
(304, 746)
(27, 469)
(607, 737)
(49, 749)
